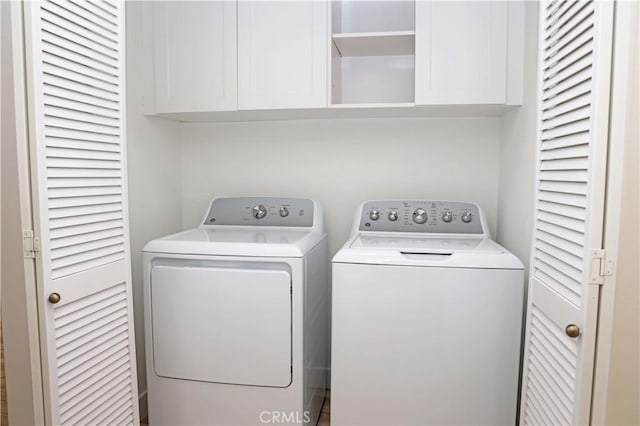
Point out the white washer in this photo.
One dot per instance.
(426, 319)
(236, 315)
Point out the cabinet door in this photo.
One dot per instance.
(195, 56)
(461, 52)
(282, 54)
(574, 75)
(76, 94)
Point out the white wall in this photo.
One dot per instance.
(517, 154)
(341, 163)
(155, 206)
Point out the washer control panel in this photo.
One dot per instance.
(437, 217)
(260, 211)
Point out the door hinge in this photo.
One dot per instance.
(601, 266)
(30, 243)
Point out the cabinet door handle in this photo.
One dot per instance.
(54, 298)
(572, 331)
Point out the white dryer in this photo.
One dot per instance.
(236, 315)
(426, 319)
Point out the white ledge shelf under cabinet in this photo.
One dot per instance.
(385, 43)
(377, 110)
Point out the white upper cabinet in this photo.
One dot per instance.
(224, 60)
(195, 56)
(461, 52)
(282, 54)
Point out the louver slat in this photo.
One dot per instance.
(555, 109)
(568, 27)
(573, 39)
(82, 172)
(77, 412)
(60, 9)
(96, 381)
(563, 232)
(562, 221)
(74, 105)
(567, 118)
(79, 97)
(84, 75)
(109, 25)
(558, 8)
(56, 142)
(79, 239)
(65, 49)
(70, 212)
(104, 17)
(567, 83)
(576, 151)
(78, 384)
(77, 90)
(89, 247)
(84, 182)
(81, 152)
(75, 26)
(66, 121)
(116, 412)
(561, 64)
(560, 365)
(575, 12)
(558, 11)
(84, 43)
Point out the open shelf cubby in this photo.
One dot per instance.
(373, 52)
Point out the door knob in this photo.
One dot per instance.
(572, 330)
(54, 298)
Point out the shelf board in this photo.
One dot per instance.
(374, 105)
(381, 110)
(388, 43)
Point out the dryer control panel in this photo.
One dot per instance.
(436, 217)
(261, 211)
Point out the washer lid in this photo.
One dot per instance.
(244, 241)
(435, 251)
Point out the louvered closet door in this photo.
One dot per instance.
(575, 62)
(75, 52)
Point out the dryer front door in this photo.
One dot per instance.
(223, 325)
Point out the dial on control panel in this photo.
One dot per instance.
(392, 215)
(374, 215)
(466, 217)
(420, 216)
(447, 216)
(259, 211)
(284, 211)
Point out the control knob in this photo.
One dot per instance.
(284, 211)
(420, 216)
(374, 215)
(447, 216)
(392, 215)
(259, 211)
(466, 217)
